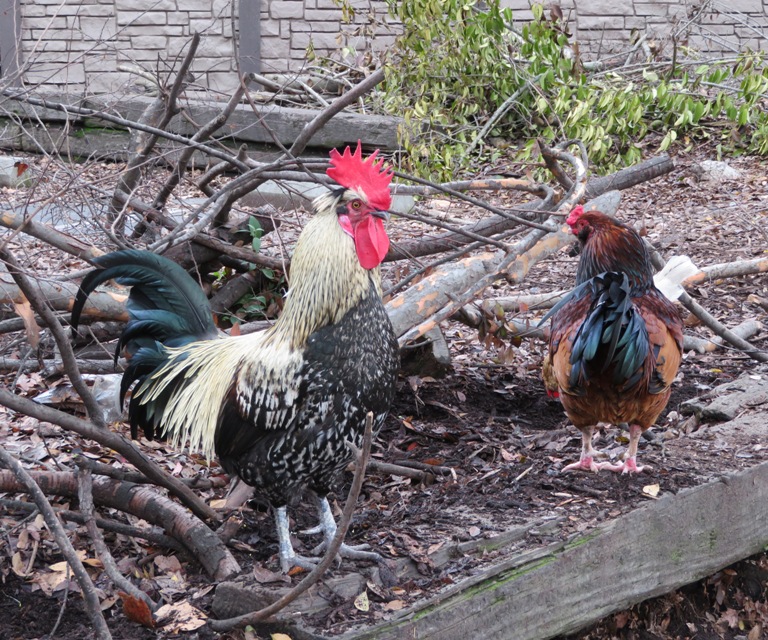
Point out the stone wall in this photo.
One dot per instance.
(288, 27)
(710, 27)
(88, 46)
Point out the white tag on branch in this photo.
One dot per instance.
(669, 278)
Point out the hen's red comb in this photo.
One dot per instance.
(575, 214)
(369, 176)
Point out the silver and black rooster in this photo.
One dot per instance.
(276, 407)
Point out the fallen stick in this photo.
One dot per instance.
(495, 224)
(745, 330)
(102, 305)
(85, 499)
(114, 441)
(41, 308)
(450, 287)
(153, 535)
(24, 481)
(728, 270)
(49, 235)
(144, 502)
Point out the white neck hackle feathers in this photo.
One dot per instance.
(327, 281)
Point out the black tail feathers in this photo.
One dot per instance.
(166, 308)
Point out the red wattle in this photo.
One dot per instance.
(371, 242)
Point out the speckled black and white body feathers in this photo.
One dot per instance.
(342, 376)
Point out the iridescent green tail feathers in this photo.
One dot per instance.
(166, 308)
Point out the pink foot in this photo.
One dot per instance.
(586, 463)
(628, 466)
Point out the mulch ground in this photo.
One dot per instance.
(490, 421)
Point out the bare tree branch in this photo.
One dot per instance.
(91, 600)
(85, 499)
(107, 438)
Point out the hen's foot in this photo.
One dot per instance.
(352, 552)
(628, 466)
(586, 463)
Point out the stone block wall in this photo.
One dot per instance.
(288, 27)
(87, 46)
(711, 27)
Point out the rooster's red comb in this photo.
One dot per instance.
(369, 176)
(575, 214)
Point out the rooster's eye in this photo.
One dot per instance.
(356, 204)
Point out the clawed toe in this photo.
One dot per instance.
(288, 562)
(351, 552)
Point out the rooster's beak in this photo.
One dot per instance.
(384, 215)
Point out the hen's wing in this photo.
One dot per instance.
(665, 336)
(565, 325)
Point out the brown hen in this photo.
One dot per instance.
(616, 342)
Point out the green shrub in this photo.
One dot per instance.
(458, 62)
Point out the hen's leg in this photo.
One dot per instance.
(588, 454)
(288, 557)
(328, 527)
(630, 457)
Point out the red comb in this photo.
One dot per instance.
(575, 214)
(368, 176)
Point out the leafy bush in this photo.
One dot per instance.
(461, 76)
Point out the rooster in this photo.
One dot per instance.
(276, 407)
(616, 342)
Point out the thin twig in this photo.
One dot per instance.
(90, 599)
(398, 470)
(204, 132)
(153, 535)
(41, 307)
(317, 123)
(540, 189)
(85, 498)
(113, 441)
(362, 458)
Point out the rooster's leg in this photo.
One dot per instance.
(588, 453)
(328, 527)
(630, 457)
(288, 557)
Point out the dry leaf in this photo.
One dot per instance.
(507, 456)
(280, 636)
(24, 311)
(394, 605)
(181, 616)
(17, 564)
(61, 567)
(263, 575)
(168, 564)
(137, 610)
(361, 602)
(651, 490)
